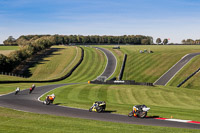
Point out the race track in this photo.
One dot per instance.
(29, 102)
(166, 77)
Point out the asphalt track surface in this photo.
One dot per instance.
(29, 103)
(111, 63)
(166, 77)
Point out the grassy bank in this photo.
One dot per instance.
(191, 67)
(92, 66)
(23, 122)
(147, 67)
(57, 64)
(180, 103)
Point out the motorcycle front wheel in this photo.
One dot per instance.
(130, 114)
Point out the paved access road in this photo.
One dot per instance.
(166, 77)
(29, 102)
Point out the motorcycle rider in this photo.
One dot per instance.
(17, 90)
(33, 86)
(137, 109)
(51, 97)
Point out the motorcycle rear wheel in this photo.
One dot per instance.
(142, 114)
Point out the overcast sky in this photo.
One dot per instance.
(174, 19)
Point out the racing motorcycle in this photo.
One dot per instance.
(139, 111)
(98, 106)
(30, 90)
(48, 100)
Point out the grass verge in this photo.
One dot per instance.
(22, 122)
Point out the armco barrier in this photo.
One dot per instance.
(120, 82)
(188, 78)
(122, 68)
(53, 80)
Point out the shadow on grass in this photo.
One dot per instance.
(58, 103)
(38, 58)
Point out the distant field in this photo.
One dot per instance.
(9, 47)
(164, 101)
(13, 121)
(6, 50)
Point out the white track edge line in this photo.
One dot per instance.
(171, 68)
(177, 72)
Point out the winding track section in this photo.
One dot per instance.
(166, 77)
(111, 63)
(29, 102)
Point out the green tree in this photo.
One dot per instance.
(183, 41)
(10, 41)
(145, 42)
(158, 40)
(165, 41)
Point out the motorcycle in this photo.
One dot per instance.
(139, 111)
(98, 106)
(48, 100)
(30, 90)
(16, 92)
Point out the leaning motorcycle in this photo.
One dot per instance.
(98, 106)
(47, 101)
(139, 111)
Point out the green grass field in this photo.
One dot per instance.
(6, 50)
(164, 101)
(22, 122)
(9, 48)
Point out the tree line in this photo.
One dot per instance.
(190, 41)
(80, 39)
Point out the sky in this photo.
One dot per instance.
(173, 19)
